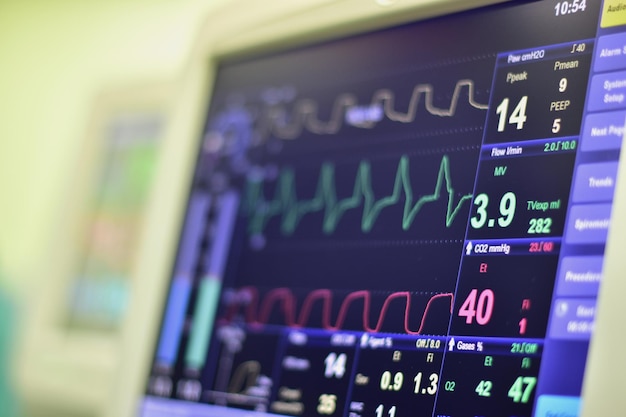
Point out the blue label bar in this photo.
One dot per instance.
(545, 53)
(522, 246)
(529, 148)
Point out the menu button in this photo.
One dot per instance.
(595, 182)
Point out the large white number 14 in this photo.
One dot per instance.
(518, 117)
(335, 365)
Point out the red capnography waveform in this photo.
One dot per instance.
(256, 316)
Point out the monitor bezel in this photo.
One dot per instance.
(240, 30)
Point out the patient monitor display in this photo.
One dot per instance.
(404, 222)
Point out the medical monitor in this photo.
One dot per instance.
(398, 218)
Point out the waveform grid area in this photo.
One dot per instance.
(304, 113)
(259, 316)
(286, 204)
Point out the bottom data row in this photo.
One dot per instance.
(320, 373)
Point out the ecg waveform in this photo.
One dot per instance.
(304, 115)
(259, 315)
(287, 205)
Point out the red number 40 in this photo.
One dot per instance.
(478, 306)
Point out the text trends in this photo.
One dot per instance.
(258, 314)
(291, 209)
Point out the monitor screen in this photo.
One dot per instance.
(404, 222)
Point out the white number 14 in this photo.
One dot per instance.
(335, 365)
(518, 116)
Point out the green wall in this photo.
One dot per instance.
(55, 58)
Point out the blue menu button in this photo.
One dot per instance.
(611, 52)
(557, 406)
(608, 91)
(595, 182)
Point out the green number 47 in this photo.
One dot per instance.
(522, 388)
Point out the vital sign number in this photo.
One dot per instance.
(517, 117)
(507, 207)
(386, 382)
(430, 387)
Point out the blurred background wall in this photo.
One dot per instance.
(56, 57)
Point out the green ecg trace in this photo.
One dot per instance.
(287, 205)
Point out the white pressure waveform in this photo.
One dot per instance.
(305, 111)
